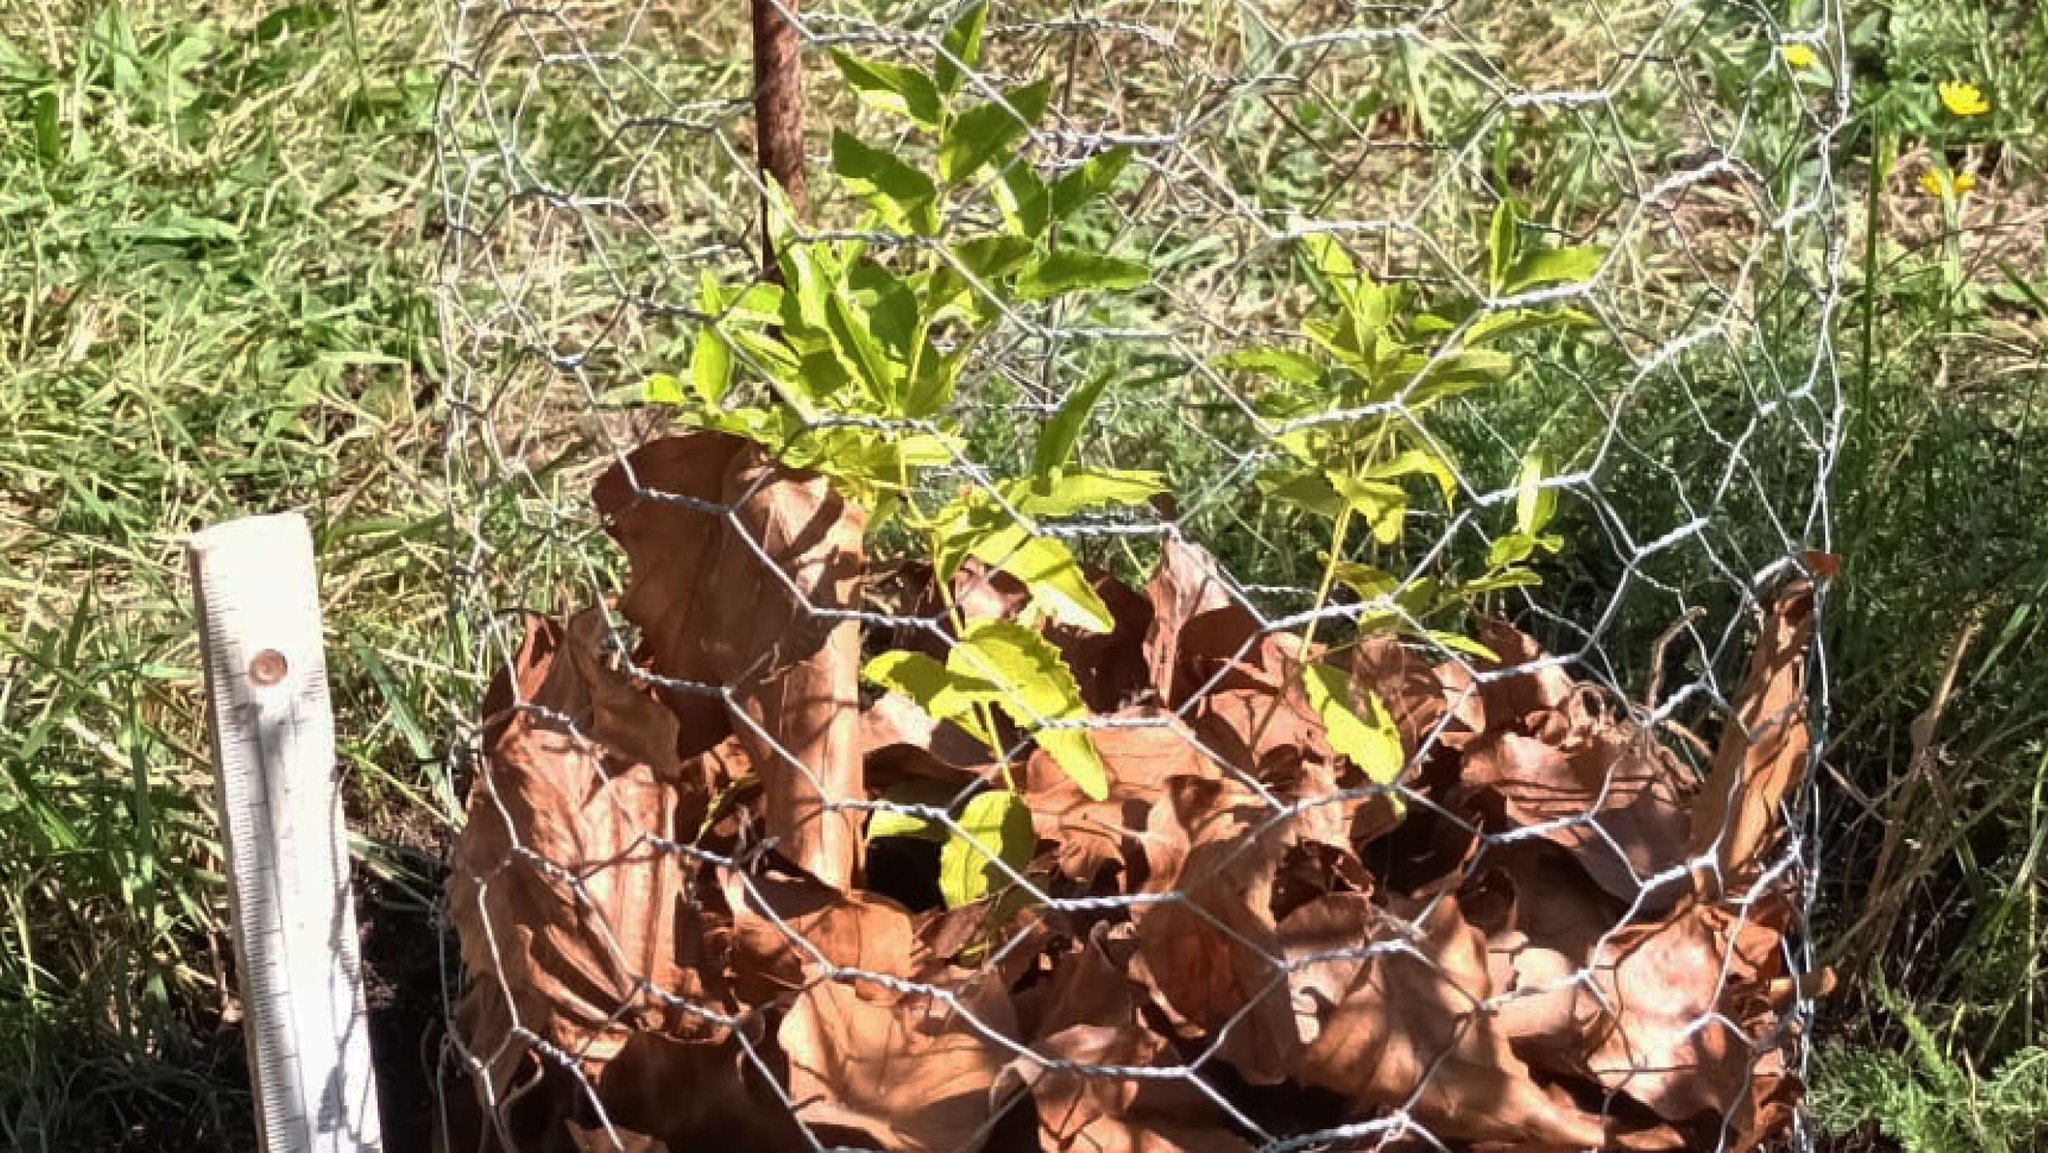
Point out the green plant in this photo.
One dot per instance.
(860, 345)
(1931, 1101)
(1350, 403)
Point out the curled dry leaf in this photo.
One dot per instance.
(898, 739)
(1187, 584)
(1763, 750)
(1212, 950)
(789, 929)
(1399, 1021)
(1203, 641)
(1552, 755)
(733, 558)
(558, 797)
(896, 1070)
(1093, 1026)
(727, 1105)
(1412, 690)
(1612, 797)
(1669, 1009)
(1142, 749)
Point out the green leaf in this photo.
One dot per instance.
(1057, 439)
(1089, 182)
(1419, 461)
(1534, 504)
(758, 304)
(855, 343)
(661, 388)
(1035, 686)
(1512, 549)
(978, 135)
(1303, 489)
(932, 388)
(1470, 366)
(912, 674)
(1513, 321)
(1459, 643)
(808, 272)
(1070, 271)
(1327, 256)
(1384, 506)
(943, 691)
(995, 830)
(1553, 266)
(1369, 738)
(1024, 201)
(1064, 492)
(912, 791)
(1502, 239)
(992, 257)
(1368, 582)
(1047, 567)
(962, 43)
(1280, 363)
(49, 139)
(978, 267)
(892, 88)
(711, 357)
(1512, 578)
(906, 198)
(710, 368)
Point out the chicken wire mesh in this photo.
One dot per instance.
(1329, 664)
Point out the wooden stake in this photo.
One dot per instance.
(287, 850)
(778, 111)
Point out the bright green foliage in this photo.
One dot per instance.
(1011, 667)
(994, 844)
(1358, 723)
(862, 347)
(1351, 401)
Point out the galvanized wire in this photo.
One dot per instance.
(595, 160)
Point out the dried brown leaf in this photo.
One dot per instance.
(898, 739)
(640, 1110)
(1093, 1020)
(906, 1071)
(1141, 749)
(1555, 754)
(1610, 796)
(556, 799)
(733, 558)
(1664, 1034)
(1403, 1024)
(788, 929)
(1763, 750)
(1212, 951)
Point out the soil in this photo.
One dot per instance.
(402, 943)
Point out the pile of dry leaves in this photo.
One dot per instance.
(676, 935)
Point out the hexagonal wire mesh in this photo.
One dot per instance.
(719, 886)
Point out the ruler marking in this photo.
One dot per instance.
(286, 847)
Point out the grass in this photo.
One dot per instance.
(215, 270)
(213, 305)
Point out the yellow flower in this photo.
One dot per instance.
(1943, 185)
(1962, 98)
(1797, 55)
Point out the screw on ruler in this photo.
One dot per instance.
(287, 851)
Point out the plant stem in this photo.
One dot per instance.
(1873, 209)
(1338, 533)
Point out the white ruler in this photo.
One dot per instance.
(287, 851)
